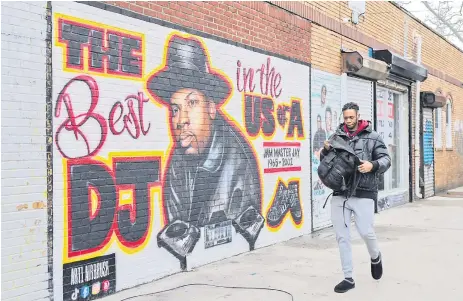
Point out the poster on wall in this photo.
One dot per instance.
(89, 279)
(171, 150)
(327, 115)
(385, 115)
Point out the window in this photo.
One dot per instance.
(448, 124)
(392, 125)
(438, 128)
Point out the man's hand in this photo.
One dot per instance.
(327, 145)
(365, 166)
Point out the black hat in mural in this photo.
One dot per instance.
(187, 66)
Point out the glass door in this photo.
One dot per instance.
(392, 125)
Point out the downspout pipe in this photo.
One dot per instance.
(417, 122)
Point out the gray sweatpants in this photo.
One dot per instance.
(363, 210)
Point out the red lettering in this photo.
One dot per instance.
(380, 108)
(269, 79)
(72, 123)
(276, 85)
(112, 122)
(238, 72)
(390, 111)
(132, 119)
(132, 123)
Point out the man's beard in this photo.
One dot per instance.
(353, 126)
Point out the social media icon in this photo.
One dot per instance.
(105, 285)
(75, 294)
(85, 291)
(96, 288)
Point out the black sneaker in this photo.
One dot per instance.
(344, 285)
(377, 267)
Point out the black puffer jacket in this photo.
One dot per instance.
(369, 146)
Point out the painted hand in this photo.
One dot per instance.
(365, 166)
(327, 145)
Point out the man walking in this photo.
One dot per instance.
(374, 158)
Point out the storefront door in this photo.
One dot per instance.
(392, 115)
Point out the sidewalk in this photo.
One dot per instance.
(422, 246)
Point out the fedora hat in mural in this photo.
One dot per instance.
(187, 66)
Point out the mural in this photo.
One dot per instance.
(172, 150)
(458, 129)
(393, 200)
(427, 167)
(326, 109)
(428, 143)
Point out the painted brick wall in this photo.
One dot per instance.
(174, 148)
(24, 182)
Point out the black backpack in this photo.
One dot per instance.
(338, 168)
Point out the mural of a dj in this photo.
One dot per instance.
(212, 175)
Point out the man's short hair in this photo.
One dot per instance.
(351, 106)
(328, 109)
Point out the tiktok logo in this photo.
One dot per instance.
(75, 294)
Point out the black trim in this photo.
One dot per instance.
(434, 152)
(410, 140)
(131, 14)
(375, 127)
(49, 142)
(375, 118)
(401, 80)
(311, 152)
(353, 75)
(401, 66)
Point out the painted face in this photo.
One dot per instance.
(351, 118)
(323, 95)
(328, 120)
(319, 122)
(191, 121)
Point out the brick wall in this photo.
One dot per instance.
(186, 149)
(443, 60)
(436, 52)
(24, 183)
(118, 149)
(326, 49)
(257, 24)
(449, 161)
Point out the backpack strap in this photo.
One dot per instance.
(326, 200)
(353, 183)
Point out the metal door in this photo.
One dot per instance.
(360, 91)
(427, 153)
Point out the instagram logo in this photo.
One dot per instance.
(96, 288)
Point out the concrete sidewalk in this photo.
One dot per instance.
(457, 191)
(422, 246)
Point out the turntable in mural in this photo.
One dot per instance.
(212, 177)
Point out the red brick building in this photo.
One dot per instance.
(142, 139)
